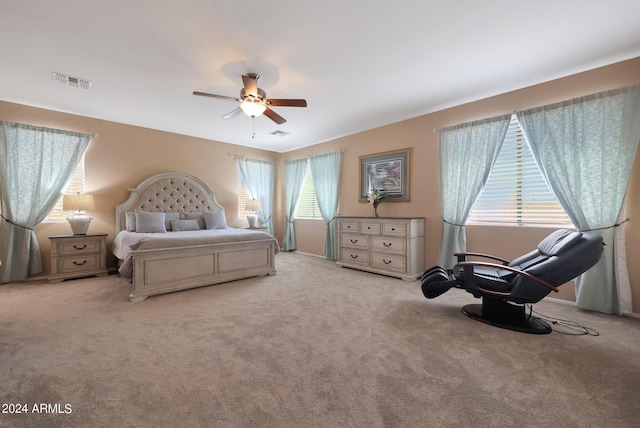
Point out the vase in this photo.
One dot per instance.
(375, 210)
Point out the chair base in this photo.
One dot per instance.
(506, 315)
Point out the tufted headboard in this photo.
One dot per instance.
(168, 192)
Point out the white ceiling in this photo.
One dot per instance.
(360, 64)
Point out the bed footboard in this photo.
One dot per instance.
(160, 271)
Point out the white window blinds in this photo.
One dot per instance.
(308, 204)
(516, 192)
(76, 185)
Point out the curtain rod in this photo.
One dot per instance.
(319, 154)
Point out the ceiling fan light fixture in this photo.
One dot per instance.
(252, 108)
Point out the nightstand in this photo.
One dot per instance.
(77, 256)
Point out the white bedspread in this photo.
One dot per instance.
(125, 242)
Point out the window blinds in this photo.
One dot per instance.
(516, 192)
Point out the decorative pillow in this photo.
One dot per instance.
(197, 216)
(150, 222)
(130, 222)
(215, 219)
(184, 225)
(168, 218)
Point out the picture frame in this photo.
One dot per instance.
(389, 172)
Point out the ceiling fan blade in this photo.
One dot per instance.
(204, 94)
(250, 85)
(232, 113)
(287, 103)
(274, 116)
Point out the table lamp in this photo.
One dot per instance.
(252, 205)
(78, 203)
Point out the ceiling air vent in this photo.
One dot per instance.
(74, 82)
(279, 133)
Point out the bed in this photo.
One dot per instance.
(171, 235)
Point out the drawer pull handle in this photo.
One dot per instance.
(353, 241)
(369, 227)
(80, 248)
(79, 264)
(386, 262)
(386, 245)
(393, 228)
(354, 257)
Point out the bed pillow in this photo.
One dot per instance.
(197, 216)
(184, 225)
(130, 223)
(150, 222)
(168, 218)
(215, 219)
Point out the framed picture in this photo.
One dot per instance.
(389, 172)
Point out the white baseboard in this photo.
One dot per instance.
(308, 254)
(567, 302)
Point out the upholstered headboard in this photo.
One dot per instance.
(168, 192)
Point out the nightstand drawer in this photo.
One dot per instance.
(389, 261)
(388, 245)
(76, 256)
(77, 247)
(79, 263)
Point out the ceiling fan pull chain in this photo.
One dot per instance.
(253, 121)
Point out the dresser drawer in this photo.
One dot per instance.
(348, 226)
(370, 228)
(390, 262)
(79, 263)
(354, 241)
(78, 247)
(394, 229)
(388, 245)
(354, 256)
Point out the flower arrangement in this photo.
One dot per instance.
(375, 198)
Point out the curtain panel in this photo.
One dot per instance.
(585, 148)
(294, 173)
(259, 176)
(467, 153)
(36, 164)
(325, 171)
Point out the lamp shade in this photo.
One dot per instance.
(253, 109)
(252, 205)
(80, 202)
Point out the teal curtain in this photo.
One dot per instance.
(467, 153)
(36, 165)
(294, 172)
(325, 171)
(258, 177)
(585, 148)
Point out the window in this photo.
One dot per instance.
(308, 204)
(243, 196)
(75, 186)
(516, 192)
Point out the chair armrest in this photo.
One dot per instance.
(510, 269)
(487, 256)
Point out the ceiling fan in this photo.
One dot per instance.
(254, 102)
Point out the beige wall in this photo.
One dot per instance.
(124, 155)
(417, 133)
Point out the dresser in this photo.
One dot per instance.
(76, 256)
(385, 245)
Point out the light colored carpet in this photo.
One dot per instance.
(313, 346)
